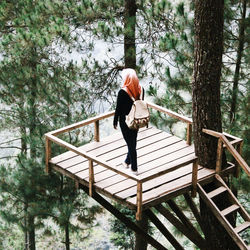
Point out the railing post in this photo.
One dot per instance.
(97, 135)
(189, 133)
(91, 177)
(239, 150)
(139, 201)
(194, 177)
(47, 154)
(219, 156)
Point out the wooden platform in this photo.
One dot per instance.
(157, 151)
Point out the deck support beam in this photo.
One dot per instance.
(185, 221)
(139, 201)
(194, 178)
(181, 227)
(194, 209)
(123, 218)
(154, 219)
(47, 154)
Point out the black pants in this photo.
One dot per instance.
(130, 136)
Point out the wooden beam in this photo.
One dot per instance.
(219, 156)
(185, 221)
(239, 150)
(90, 157)
(194, 177)
(179, 225)
(81, 123)
(230, 148)
(96, 133)
(236, 155)
(170, 113)
(154, 219)
(194, 209)
(139, 201)
(189, 133)
(124, 219)
(47, 154)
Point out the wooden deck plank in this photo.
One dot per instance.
(144, 135)
(174, 185)
(143, 168)
(85, 173)
(105, 141)
(154, 162)
(169, 177)
(88, 146)
(98, 148)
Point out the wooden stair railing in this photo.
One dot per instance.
(221, 215)
(223, 140)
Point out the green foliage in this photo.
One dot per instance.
(122, 237)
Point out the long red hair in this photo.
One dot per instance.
(131, 83)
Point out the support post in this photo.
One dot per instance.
(194, 177)
(189, 133)
(139, 201)
(91, 177)
(47, 154)
(239, 150)
(219, 156)
(97, 134)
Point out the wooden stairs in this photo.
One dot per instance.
(222, 215)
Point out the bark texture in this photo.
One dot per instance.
(206, 105)
(207, 71)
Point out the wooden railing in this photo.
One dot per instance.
(236, 153)
(182, 118)
(52, 137)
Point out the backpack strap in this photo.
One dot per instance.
(142, 94)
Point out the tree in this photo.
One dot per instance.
(206, 102)
(40, 91)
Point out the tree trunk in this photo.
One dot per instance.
(129, 34)
(140, 243)
(238, 62)
(31, 233)
(206, 104)
(207, 71)
(67, 241)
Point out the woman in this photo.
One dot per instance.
(130, 88)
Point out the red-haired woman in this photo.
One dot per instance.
(130, 88)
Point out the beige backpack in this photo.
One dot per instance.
(138, 116)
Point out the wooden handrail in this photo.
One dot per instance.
(230, 148)
(182, 118)
(170, 113)
(82, 123)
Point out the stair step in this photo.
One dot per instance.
(229, 210)
(242, 227)
(217, 191)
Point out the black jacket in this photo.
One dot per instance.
(123, 106)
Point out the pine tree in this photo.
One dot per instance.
(41, 92)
